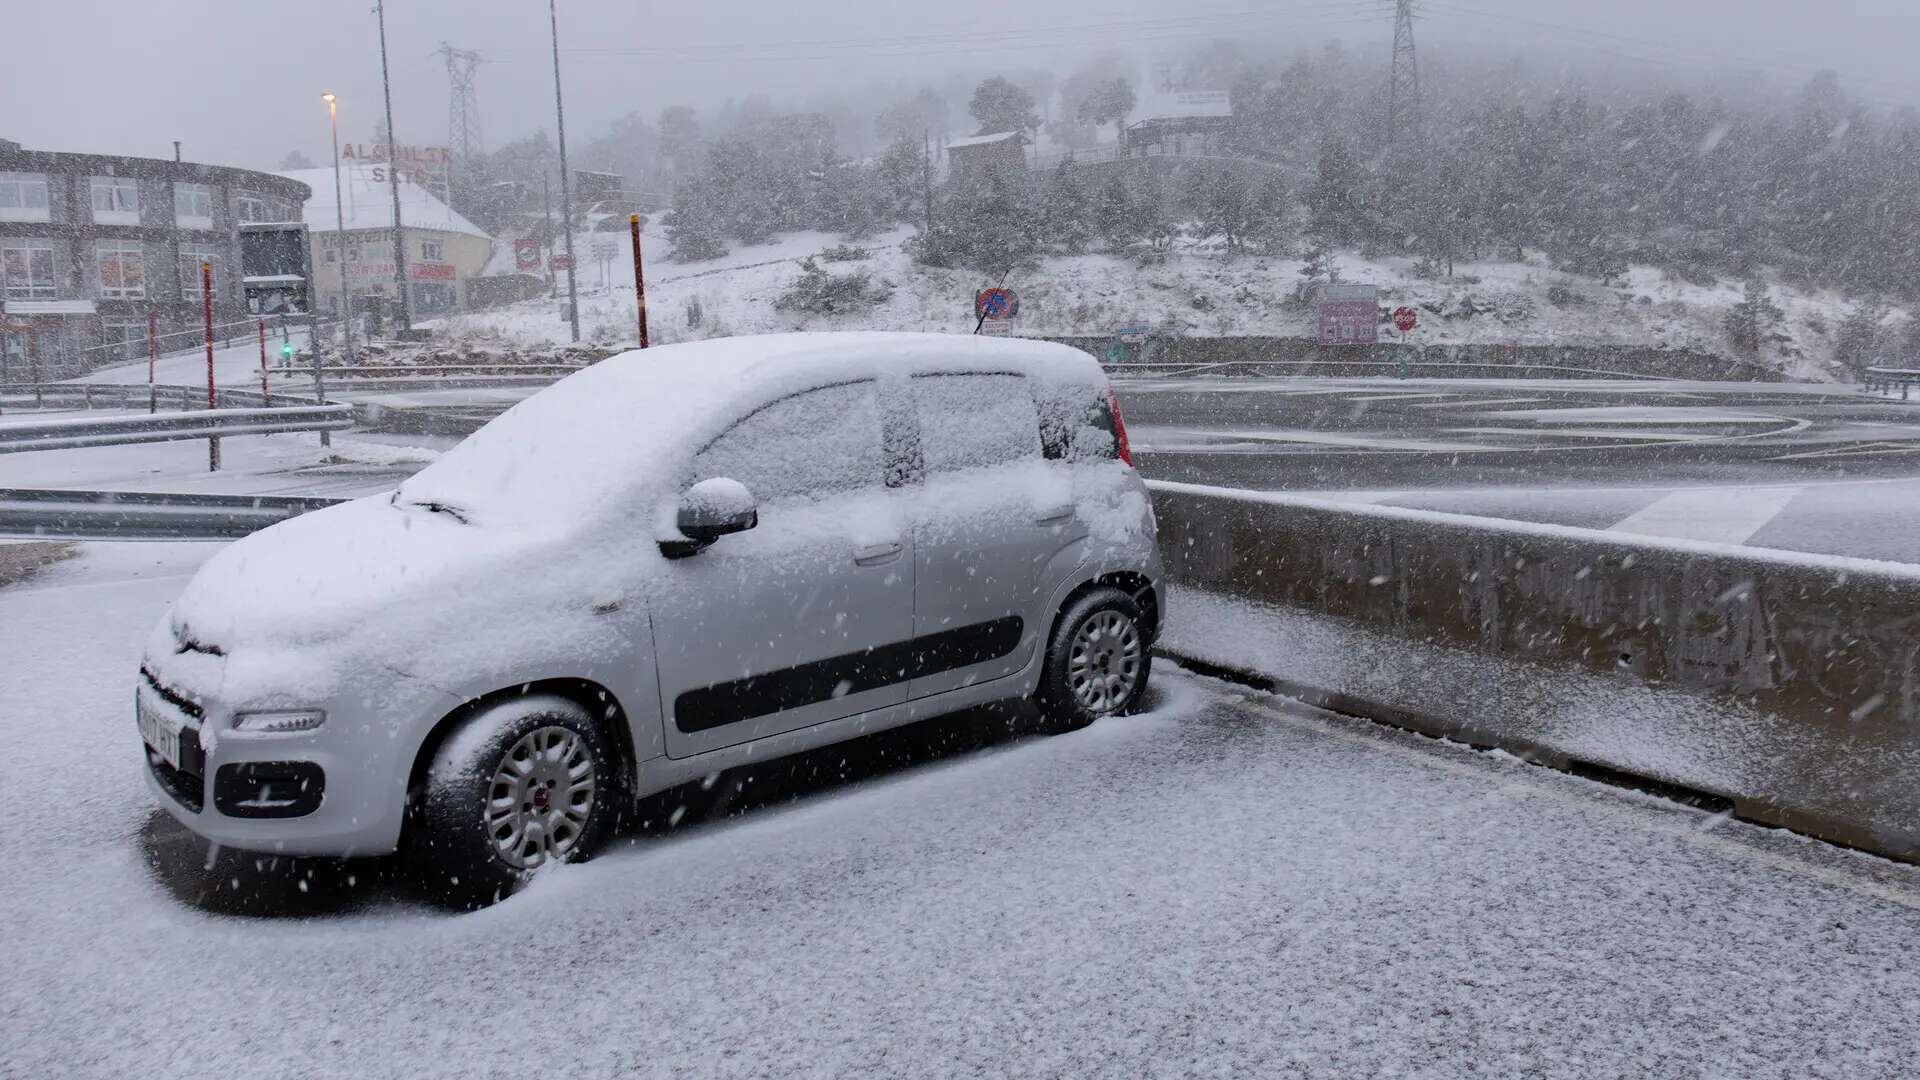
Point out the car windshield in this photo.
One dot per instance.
(1320, 538)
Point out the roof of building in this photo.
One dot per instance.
(985, 140)
(1183, 105)
(368, 204)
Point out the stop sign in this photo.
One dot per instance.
(1405, 318)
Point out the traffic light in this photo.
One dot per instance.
(286, 352)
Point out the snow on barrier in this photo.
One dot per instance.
(1783, 683)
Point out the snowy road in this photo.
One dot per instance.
(1228, 886)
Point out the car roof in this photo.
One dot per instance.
(547, 460)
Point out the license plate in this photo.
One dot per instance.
(160, 734)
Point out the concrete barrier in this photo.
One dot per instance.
(1306, 356)
(1784, 683)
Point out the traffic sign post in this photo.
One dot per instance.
(1404, 320)
(526, 254)
(997, 305)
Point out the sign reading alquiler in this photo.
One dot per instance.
(1349, 314)
(414, 164)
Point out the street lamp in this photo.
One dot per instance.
(340, 236)
(566, 192)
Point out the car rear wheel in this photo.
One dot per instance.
(1097, 661)
(519, 786)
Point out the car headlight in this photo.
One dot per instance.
(279, 722)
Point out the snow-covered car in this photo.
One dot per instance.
(671, 563)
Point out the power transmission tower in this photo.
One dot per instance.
(1403, 100)
(463, 110)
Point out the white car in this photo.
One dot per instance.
(674, 562)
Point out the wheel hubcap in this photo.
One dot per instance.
(1103, 662)
(541, 798)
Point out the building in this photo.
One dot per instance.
(980, 156)
(93, 245)
(1179, 122)
(444, 250)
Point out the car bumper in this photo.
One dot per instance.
(284, 794)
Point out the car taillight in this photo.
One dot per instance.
(1119, 426)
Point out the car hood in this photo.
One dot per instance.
(320, 575)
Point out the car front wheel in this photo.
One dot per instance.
(518, 786)
(1097, 660)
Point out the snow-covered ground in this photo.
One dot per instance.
(1226, 886)
(1192, 291)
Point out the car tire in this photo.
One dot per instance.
(548, 755)
(1097, 661)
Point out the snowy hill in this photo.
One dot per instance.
(1193, 291)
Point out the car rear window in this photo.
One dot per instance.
(1076, 422)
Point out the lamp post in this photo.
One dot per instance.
(393, 180)
(339, 239)
(566, 191)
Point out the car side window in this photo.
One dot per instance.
(975, 420)
(813, 444)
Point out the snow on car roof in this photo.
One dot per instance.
(544, 463)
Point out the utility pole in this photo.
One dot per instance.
(566, 186)
(926, 172)
(1403, 99)
(393, 180)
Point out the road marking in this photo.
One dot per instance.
(1479, 402)
(1696, 833)
(1718, 515)
(1856, 450)
(1396, 397)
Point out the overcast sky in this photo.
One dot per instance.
(239, 81)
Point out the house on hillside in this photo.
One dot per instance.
(1179, 122)
(980, 156)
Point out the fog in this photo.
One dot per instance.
(241, 83)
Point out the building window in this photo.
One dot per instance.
(23, 197)
(123, 339)
(26, 269)
(190, 260)
(430, 249)
(116, 200)
(332, 255)
(123, 274)
(248, 206)
(193, 206)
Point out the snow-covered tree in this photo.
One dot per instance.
(1754, 320)
(1862, 336)
(999, 105)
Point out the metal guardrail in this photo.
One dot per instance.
(1885, 379)
(90, 515)
(396, 370)
(139, 396)
(18, 436)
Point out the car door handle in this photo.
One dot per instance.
(1058, 515)
(875, 554)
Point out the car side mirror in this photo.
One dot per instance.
(709, 510)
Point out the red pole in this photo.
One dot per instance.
(264, 399)
(206, 300)
(153, 357)
(33, 361)
(639, 277)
